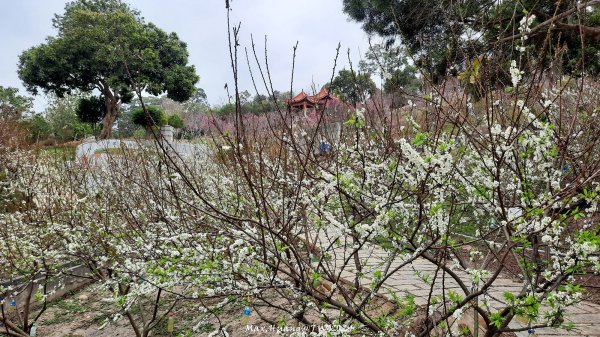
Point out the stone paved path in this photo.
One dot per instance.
(585, 315)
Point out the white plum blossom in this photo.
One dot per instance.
(515, 74)
(360, 114)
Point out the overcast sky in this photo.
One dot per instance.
(317, 25)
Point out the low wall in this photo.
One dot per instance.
(96, 152)
(72, 279)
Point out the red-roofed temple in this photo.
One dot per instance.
(304, 102)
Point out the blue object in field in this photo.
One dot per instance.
(13, 303)
(246, 311)
(324, 147)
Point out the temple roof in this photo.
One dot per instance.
(319, 98)
(301, 97)
(323, 94)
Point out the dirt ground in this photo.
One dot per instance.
(84, 314)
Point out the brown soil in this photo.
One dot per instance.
(83, 314)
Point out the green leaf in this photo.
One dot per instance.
(496, 319)
(315, 278)
(420, 139)
(454, 296)
(509, 297)
(38, 297)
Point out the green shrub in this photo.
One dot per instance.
(39, 128)
(154, 117)
(176, 121)
(139, 133)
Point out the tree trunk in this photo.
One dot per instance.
(110, 115)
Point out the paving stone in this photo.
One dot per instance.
(584, 318)
(583, 307)
(585, 315)
(552, 332)
(588, 329)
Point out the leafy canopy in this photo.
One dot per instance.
(392, 64)
(39, 128)
(61, 115)
(443, 34)
(12, 105)
(353, 87)
(90, 109)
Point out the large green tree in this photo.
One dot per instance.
(445, 33)
(105, 45)
(353, 87)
